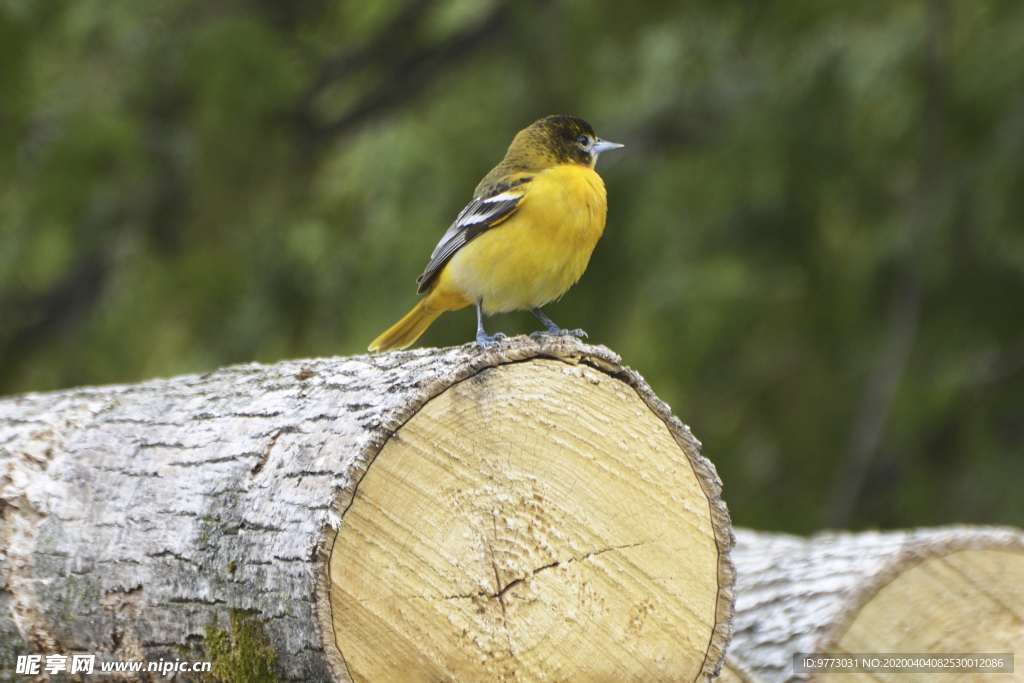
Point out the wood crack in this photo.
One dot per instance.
(515, 582)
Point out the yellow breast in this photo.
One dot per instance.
(541, 250)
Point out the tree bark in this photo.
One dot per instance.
(531, 512)
(955, 589)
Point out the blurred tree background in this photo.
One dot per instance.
(815, 246)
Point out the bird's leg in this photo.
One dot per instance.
(482, 340)
(553, 329)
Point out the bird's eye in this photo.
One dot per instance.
(583, 140)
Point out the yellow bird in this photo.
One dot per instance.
(524, 239)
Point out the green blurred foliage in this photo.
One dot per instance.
(814, 249)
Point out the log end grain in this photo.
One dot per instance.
(961, 601)
(537, 521)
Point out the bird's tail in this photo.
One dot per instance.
(407, 330)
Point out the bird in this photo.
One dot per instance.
(523, 240)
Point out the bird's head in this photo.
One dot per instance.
(556, 140)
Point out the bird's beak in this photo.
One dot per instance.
(604, 146)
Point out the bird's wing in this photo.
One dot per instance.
(480, 215)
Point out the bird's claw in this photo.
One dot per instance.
(485, 342)
(579, 334)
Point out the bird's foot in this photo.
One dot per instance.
(579, 334)
(486, 342)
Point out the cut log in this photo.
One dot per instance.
(945, 590)
(527, 513)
